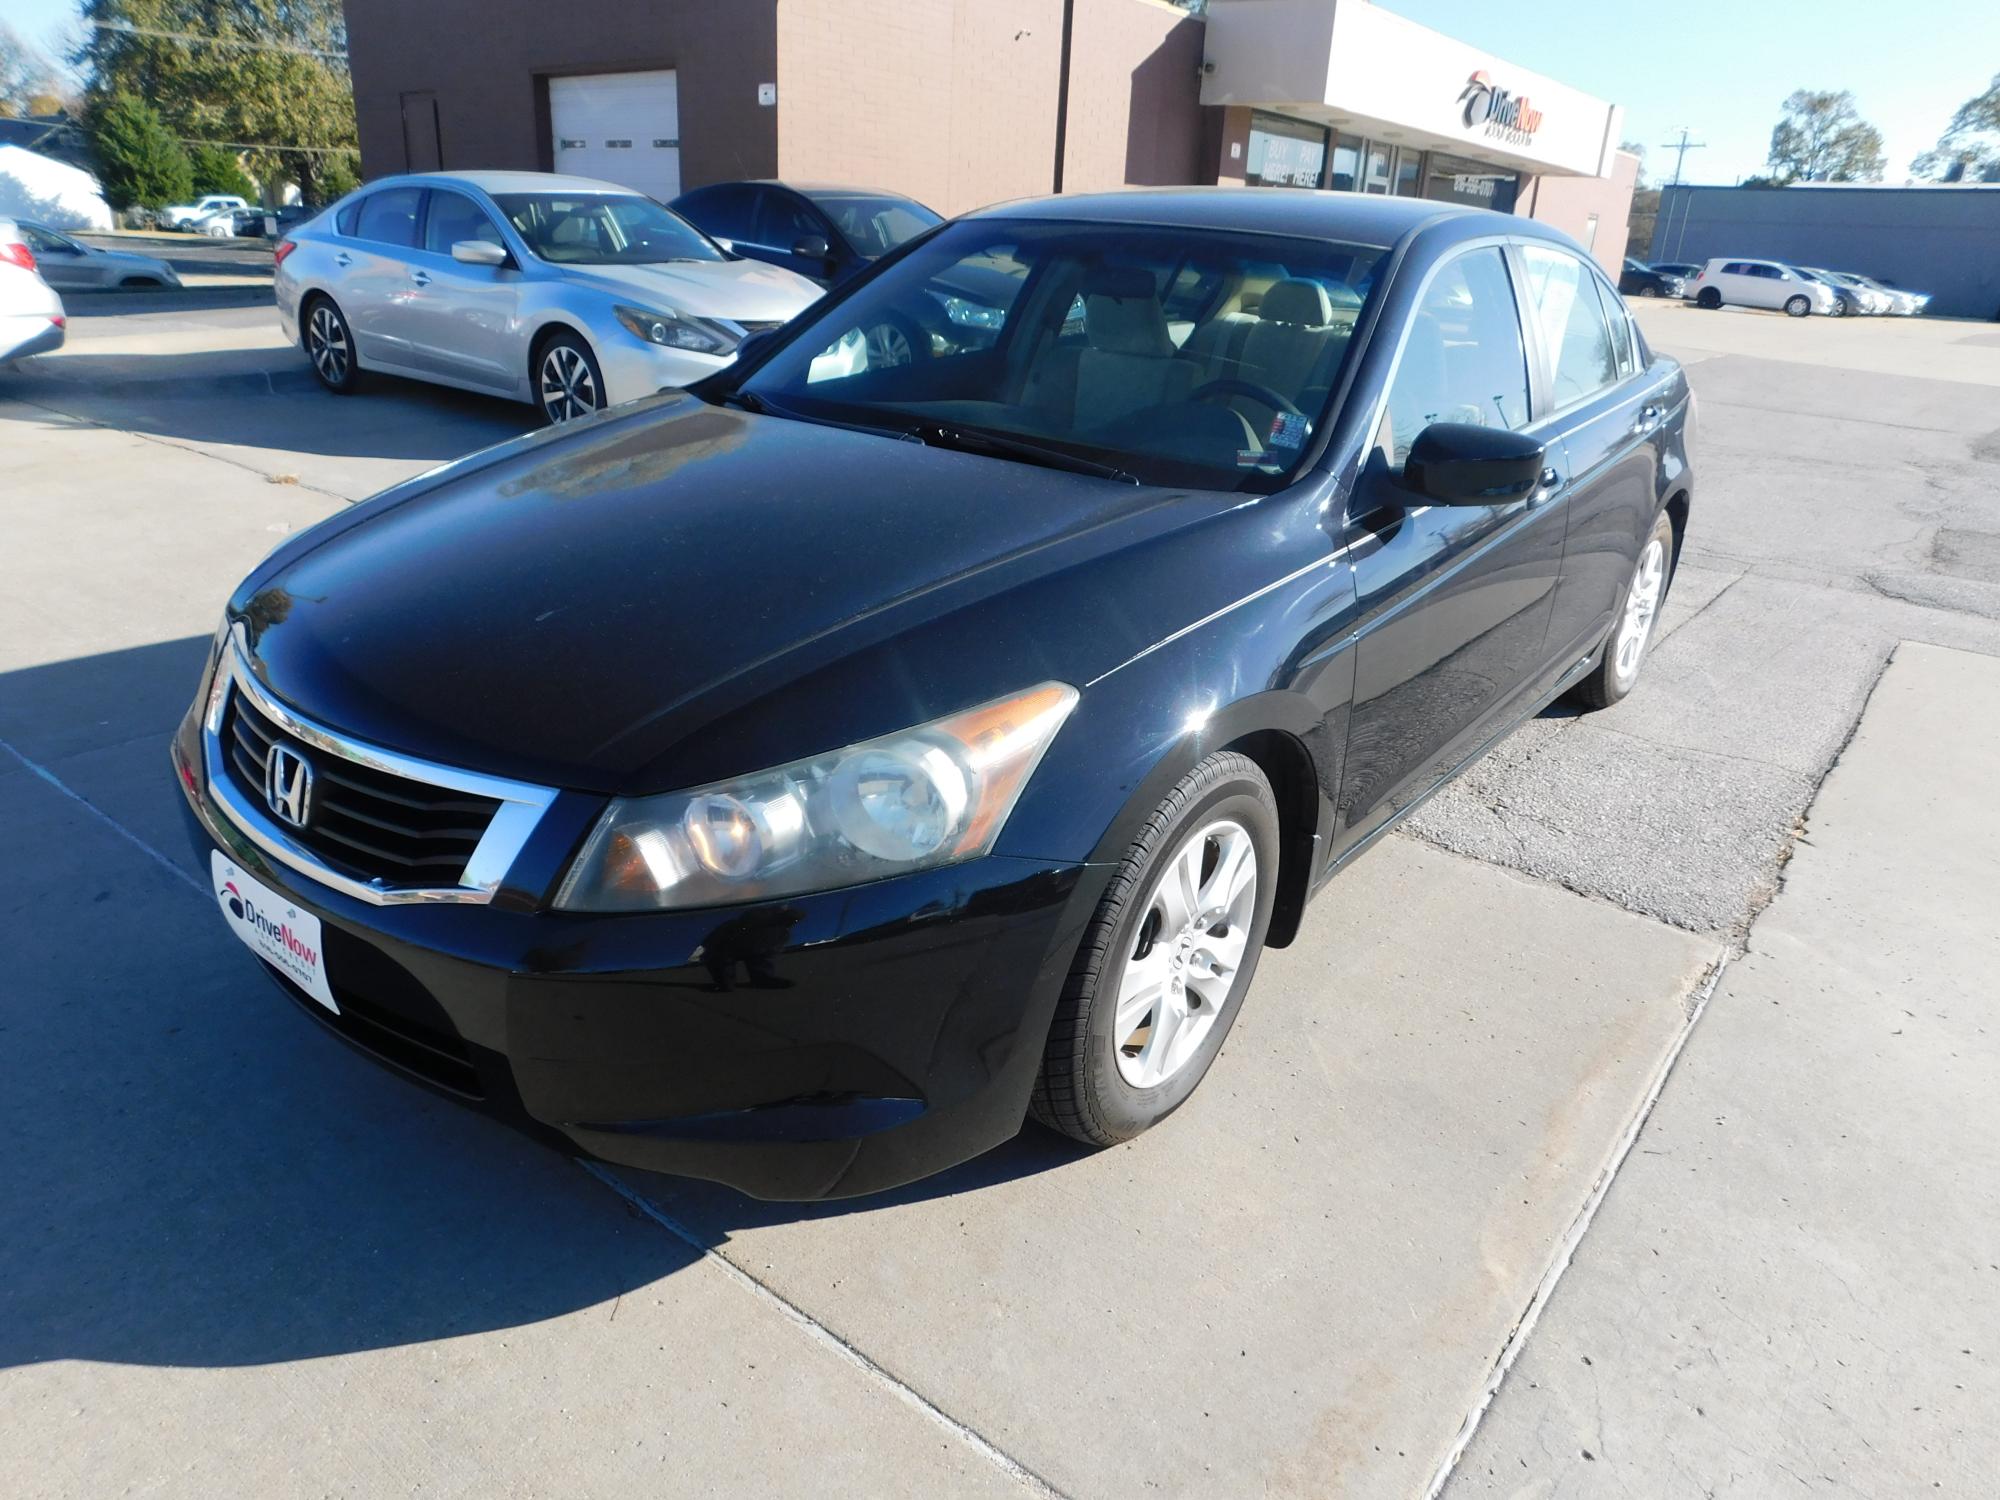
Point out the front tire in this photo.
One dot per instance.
(1166, 961)
(1647, 291)
(1797, 307)
(329, 344)
(568, 382)
(1617, 671)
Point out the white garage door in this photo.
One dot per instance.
(622, 127)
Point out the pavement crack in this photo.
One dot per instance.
(826, 1337)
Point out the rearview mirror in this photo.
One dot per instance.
(1462, 463)
(810, 246)
(479, 253)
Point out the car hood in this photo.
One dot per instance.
(571, 610)
(735, 289)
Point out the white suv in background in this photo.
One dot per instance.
(1759, 283)
(186, 215)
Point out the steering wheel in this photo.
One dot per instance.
(1263, 395)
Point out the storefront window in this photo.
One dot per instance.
(1375, 176)
(1454, 179)
(1284, 153)
(1409, 172)
(1346, 165)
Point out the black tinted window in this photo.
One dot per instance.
(725, 212)
(390, 216)
(782, 221)
(1463, 360)
(874, 225)
(454, 217)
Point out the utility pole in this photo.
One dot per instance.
(1680, 149)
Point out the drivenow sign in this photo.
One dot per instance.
(1497, 112)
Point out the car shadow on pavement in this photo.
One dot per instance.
(264, 398)
(195, 1174)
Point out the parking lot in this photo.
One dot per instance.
(1645, 1079)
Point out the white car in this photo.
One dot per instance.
(186, 215)
(1859, 295)
(561, 291)
(1759, 283)
(31, 314)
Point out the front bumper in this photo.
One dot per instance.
(823, 1046)
(634, 368)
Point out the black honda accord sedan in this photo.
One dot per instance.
(799, 780)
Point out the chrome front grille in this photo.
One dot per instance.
(378, 825)
(368, 822)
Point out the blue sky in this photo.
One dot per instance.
(1720, 66)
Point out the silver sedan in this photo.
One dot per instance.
(561, 291)
(70, 264)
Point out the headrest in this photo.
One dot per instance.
(1297, 302)
(1121, 315)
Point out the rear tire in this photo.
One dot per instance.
(1710, 298)
(1637, 620)
(329, 344)
(1798, 307)
(1167, 958)
(1647, 291)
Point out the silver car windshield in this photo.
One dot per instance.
(603, 229)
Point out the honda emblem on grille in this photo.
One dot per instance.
(288, 785)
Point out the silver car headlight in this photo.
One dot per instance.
(676, 330)
(932, 795)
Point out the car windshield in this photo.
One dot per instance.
(873, 224)
(1170, 355)
(603, 229)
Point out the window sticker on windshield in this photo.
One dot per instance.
(1255, 458)
(1289, 429)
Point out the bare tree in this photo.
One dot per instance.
(26, 76)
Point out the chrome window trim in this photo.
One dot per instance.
(514, 821)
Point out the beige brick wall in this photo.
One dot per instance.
(1568, 203)
(1134, 92)
(950, 101)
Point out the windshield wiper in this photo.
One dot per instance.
(978, 440)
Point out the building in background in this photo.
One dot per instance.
(1940, 239)
(960, 103)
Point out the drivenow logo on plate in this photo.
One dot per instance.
(272, 928)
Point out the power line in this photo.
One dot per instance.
(126, 28)
(195, 140)
(1680, 149)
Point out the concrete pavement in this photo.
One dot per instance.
(1792, 1284)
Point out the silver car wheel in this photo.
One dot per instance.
(1642, 607)
(326, 343)
(887, 346)
(569, 390)
(1185, 959)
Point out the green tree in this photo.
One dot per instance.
(339, 175)
(216, 170)
(138, 159)
(1822, 138)
(271, 74)
(1969, 149)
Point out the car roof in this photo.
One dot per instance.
(510, 182)
(808, 189)
(1366, 218)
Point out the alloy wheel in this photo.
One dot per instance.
(887, 346)
(1642, 607)
(1186, 954)
(569, 390)
(326, 344)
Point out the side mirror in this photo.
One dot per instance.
(810, 246)
(479, 253)
(1461, 463)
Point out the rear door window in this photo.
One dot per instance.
(1563, 297)
(390, 217)
(725, 212)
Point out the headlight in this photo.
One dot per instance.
(676, 330)
(969, 314)
(932, 795)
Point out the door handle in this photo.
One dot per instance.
(343, 259)
(1546, 487)
(421, 278)
(1649, 418)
